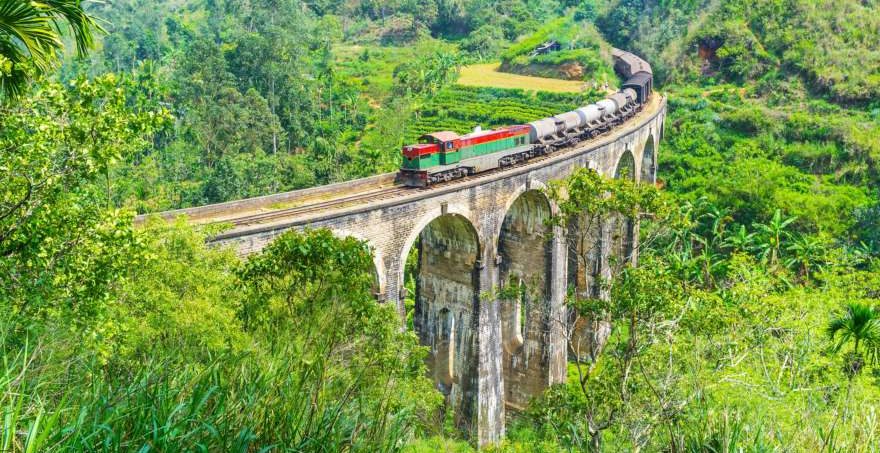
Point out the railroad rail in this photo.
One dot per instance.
(299, 207)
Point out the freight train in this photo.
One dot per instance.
(444, 156)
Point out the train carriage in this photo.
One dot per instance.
(443, 156)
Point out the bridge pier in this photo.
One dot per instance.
(477, 361)
(490, 372)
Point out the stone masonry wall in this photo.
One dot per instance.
(391, 227)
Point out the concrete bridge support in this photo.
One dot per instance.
(446, 310)
(526, 272)
(490, 354)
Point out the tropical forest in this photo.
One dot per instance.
(749, 322)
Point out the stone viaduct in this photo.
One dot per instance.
(466, 239)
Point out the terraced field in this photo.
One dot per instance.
(461, 108)
(487, 75)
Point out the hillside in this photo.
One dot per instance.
(751, 323)
(829, 47)
(460, 109)
(576, 52)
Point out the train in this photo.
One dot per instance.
(446, 156)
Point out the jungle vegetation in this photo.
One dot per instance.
(750, 324)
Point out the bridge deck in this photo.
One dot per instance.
(303, 206)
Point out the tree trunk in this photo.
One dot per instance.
(596, 442)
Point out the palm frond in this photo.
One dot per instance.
(30, 38)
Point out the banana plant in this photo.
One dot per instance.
(739, 240)
(771, 236)
(807, 255)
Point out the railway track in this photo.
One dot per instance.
(373, 195)
(386, 192)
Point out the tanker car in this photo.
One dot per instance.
(444, 156)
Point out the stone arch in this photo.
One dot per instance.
(533, 185)
(626, 166)
(379, 274)
(419, 227)
(622, 229)
(446, 302)
(649, 159)
(525, 251)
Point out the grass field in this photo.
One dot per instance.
(487, 75)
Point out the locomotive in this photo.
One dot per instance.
(444, 156)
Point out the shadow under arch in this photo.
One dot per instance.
(622, 228)
(649, 163)
(443, 303)
(525, 248)
(626, 166)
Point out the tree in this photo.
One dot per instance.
(808, 253)
(63, 250)
(432, 70)
(30, 38)
(310, 293)
(858, 324)
(586, 10)
(615, 301)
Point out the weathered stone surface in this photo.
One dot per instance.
(525, 249)
(444, 312)
(462, 226)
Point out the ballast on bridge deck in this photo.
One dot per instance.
(305, 205)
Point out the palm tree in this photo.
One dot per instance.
(859, 324)
(30, 38)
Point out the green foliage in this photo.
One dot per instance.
(228, 364)
(435, 68)
(753, 159)
(561, 26)
(30, 38)
(827, 44)
(580, 43)
(860, 324)
(134, 337)
(63, 252)
(737, 51)
(179, 286)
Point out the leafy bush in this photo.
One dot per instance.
(292, 352)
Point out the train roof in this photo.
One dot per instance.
(629, 64)
(637, 79)
(500, 130)
(442, 136)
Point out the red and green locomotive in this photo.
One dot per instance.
(444, 156)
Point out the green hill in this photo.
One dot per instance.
(830, 45)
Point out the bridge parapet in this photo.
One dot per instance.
(481, 378)
(489, 352)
